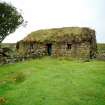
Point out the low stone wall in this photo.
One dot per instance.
(58, 49)
(9, 60)
(7, 57)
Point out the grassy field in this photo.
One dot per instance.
(50, 81)
(101, 47)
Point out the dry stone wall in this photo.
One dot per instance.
(78, 50)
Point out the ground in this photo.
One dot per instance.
(51, 81)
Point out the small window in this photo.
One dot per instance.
(68, 46)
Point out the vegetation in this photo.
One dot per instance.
(10, 19)
(101, 51)
(50, 81)
(74, 33)
(101, 47)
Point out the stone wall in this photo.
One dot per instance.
(76, 50)
(79, 50)
(8, 56)
(32, 49)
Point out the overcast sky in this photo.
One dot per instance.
(42, 14)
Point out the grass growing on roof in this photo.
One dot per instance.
(55, 33)
(50, 81)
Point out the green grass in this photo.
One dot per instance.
(101, 47)
(57, 34)
(50, 81)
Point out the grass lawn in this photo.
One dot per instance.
(50, 81)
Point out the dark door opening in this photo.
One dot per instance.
(49, 49)
(68, 46)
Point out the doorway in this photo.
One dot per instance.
(49, 49)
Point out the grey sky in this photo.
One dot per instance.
(60, 13)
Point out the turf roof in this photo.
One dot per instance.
(59, 34)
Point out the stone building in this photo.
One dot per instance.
(76, 42)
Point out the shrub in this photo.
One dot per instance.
(2, 100)
(18, 77)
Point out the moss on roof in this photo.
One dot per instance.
(59, 34)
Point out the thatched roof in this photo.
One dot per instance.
(60, 35)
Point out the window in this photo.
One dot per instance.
(68, 46)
